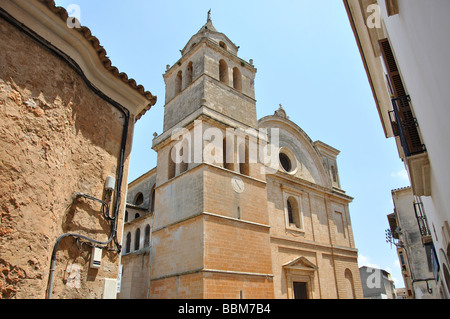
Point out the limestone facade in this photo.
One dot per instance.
(222, 223)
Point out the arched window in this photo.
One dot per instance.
(293, 212)
(223, 71)
(290, 212)
(189, 73)
(244, 165)
(139, 199)
(136, 216)
(444, 257)
(228, 153)
(222, 45)
(153, 197)
(288, 162)
(285, 162)
(446, 275)
(237, 79)
(126, 216)
(147, 236)
(128, 243)
(137, 239)
(349, 285)
(184, 156)
(171, 165)
(178, 82)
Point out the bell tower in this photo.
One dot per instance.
(211, 225)
(210, 74)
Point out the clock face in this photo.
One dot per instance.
(238, 184)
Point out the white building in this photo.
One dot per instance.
(405, 47)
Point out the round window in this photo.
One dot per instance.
(285, 162)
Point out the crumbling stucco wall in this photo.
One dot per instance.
(57, 137)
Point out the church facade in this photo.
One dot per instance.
(216, 218)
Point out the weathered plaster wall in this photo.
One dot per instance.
(57, 137)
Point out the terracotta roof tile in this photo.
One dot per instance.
(95, 43)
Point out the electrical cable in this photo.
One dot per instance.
(120, 173)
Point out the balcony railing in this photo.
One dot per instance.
(404, 125)
(421, 219)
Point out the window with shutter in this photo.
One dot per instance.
(405, 124)
(394, 78)
(392, 7)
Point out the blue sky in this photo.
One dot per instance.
(307, 60)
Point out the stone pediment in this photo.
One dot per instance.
(300, 263)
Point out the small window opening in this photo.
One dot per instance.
(285, 162)
(189, 73)
(184, 156)
(290, 212)
(153, 197)
(293, 212)
(147, 236)
(178, 82)
(350, 284)
(137, 239)
(139, 200)
(171, 166)
(223, 71)
(227, 152)
(244, 165)
(237, 79)
(128, 244)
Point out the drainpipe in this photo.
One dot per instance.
(114, 219)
